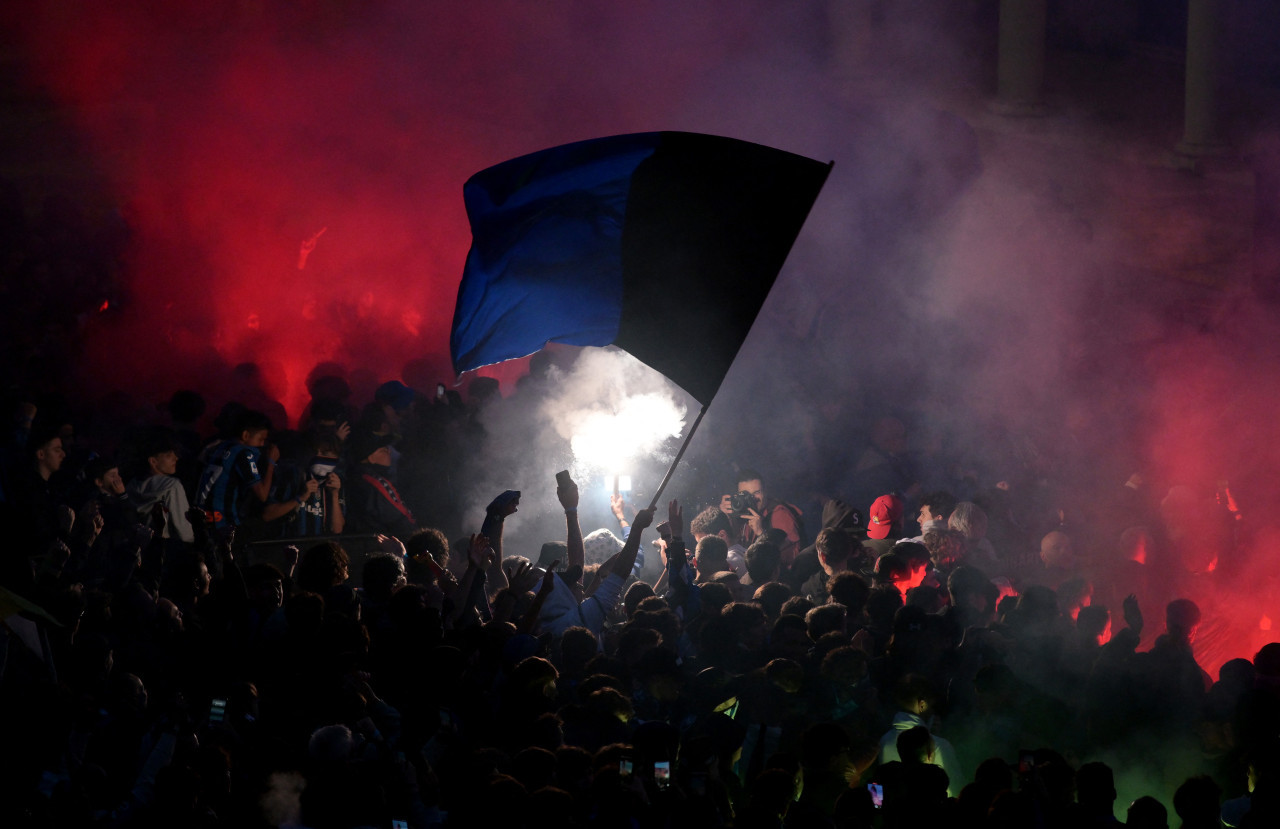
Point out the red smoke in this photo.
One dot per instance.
(234, 131)
(232, 134)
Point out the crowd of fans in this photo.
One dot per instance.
(270, 628)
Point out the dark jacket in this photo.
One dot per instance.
(374, 504)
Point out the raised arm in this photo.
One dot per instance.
(618, 505)
(567, 492)
(494, 515)
(626, 560)
(471, 590)
(530, 618)
(612, 575)
(681, 593)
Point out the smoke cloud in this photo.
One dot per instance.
(1043, 300)
(613, 410)
(599, 413)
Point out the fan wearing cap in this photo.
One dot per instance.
(108, 500)
(893, 568)
(374, 504)
(160, 486)
(884, 524)
(394, 399)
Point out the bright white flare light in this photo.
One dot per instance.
(604, 440)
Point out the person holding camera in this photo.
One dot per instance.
(753, 514)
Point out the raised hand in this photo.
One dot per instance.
(391, 544)
(522, 578)
(643, 519)
(505, 504)
(568, 495)
(675, 518)
(548, 579)
(479, 552)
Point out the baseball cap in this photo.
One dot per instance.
(395, 394)
(883, 515)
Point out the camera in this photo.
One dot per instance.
(742, 504)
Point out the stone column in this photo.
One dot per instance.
(1020, 73)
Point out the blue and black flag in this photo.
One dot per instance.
(664, 244)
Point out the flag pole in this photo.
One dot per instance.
(671, 470)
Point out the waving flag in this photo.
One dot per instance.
(664, 244)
